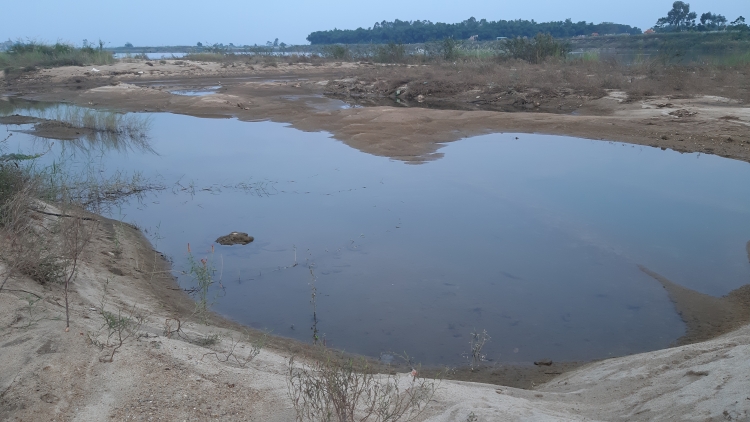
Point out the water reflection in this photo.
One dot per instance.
(82, 129)
(538, 240)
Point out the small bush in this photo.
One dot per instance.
(449, 49)
(346, 389)
(336, 52)
(536, 50)
(390, 53)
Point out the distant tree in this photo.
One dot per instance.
(424, 31)
(738, 23)
(128, 45)
(712, 22)
(276, 42)
(199, 44)
(680, 18)
(282, 45)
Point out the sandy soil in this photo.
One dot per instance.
(49, 374)
(294, 94)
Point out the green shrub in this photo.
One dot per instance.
(337, 52)
(449, 49)
(30, 55)
(536, 50)
(390, 53)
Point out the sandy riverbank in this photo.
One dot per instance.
(50, 374)
(294, 94)
(47, 373)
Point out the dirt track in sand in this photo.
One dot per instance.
(294, 94)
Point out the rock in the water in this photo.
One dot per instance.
(235, 238)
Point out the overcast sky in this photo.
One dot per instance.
(185, 22)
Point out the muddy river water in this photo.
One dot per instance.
(536, 239)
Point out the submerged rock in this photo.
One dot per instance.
(235, 238)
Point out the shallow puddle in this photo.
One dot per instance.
(321, 103)
(196, 93)
(535, 239)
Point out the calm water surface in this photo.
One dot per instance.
(536, 239)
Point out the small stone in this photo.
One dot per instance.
(545, 362)
(50, 398)
(235, 238)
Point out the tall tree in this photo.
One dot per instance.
(680, 18)
(712, 22)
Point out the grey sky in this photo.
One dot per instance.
(185, 22)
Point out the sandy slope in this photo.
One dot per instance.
(49, 374)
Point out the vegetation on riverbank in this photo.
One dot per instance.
(28, 56)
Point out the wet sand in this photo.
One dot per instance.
(294, 94)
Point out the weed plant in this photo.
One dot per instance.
(346, 389)
(231, 352)
(202, 272)
(116, 329)
(476, 344)
(117, 126)
(49, 249)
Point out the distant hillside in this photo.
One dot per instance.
(409, 32)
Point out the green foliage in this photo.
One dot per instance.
(449, 48)
(116, 329)
(4, 158)
(390, 53)
(733, 60)
(337, 52)
(681, 19)
(202, 272)
(27, 56)
(411, 32)
(536, 50)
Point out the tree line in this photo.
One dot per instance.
(409, 32)
(680, 18)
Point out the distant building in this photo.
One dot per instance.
(649, 31)
(474, 38)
